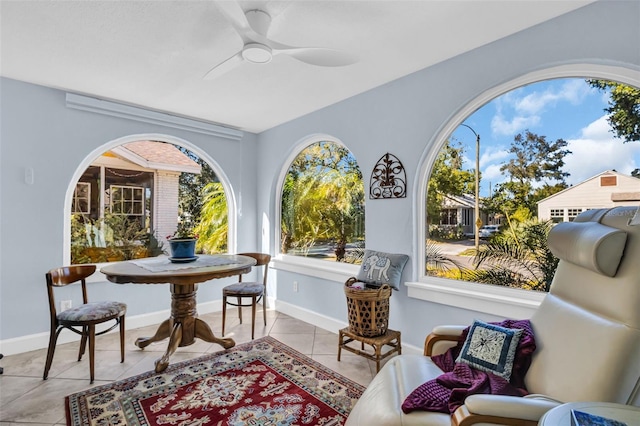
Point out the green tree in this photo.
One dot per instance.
(519, 257)
(191, 186)
(213, 228)
(536, 163)
(624, 108)
(447, 178)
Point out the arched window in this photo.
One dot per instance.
(130, 198)
(546, 150)
(322, 204)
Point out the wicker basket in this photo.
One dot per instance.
(368, 309)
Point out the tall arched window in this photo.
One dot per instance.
(544, 152)
(133, 196)
(322, 204)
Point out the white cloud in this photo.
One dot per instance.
(597, 150)
(572, 91)
(500, 126)
(492, 155)
(527, 109)
(492, 175)
(598, 130)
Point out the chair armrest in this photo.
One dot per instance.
(505, 410)
(443, 333)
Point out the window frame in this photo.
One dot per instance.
(76, 198)
(501, 301)
(572, 213)
(232, 204)
(555, 214)
(124, 189)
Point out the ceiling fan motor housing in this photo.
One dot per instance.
(257, 53)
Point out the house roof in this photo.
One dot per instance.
(464, 200)
(157, 155)
(606, 172)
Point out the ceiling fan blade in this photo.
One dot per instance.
(320, 56)
(224, 67)
(236, 17)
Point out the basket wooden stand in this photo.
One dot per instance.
(368, 311)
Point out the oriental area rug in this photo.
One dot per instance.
(263, 382)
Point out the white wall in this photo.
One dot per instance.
(41, 133)
(403, 117)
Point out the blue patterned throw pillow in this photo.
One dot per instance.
(490, 348)
(380, 268)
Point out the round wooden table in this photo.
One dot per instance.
(183, 326)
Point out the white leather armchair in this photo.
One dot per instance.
(587, 332)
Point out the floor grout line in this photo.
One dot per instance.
(28, 367)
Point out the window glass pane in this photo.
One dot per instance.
(537, 150)
(322, 213)
(117, 215)
(81, 198)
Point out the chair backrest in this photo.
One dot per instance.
(587, 328)
(66, 275)
(262, 259)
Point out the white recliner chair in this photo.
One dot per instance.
(587, 332)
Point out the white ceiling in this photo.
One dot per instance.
(155, 53)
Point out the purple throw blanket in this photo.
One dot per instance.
(448, 391)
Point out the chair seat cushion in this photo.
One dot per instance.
(93, 311)
(244, 288)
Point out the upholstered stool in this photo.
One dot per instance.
(390, 338)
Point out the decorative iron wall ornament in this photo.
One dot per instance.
(388, 179)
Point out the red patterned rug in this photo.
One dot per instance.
(263, 382)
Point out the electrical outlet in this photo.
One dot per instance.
(64, 305)
(295, 286)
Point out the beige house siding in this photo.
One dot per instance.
(608, 189)
(166, 208)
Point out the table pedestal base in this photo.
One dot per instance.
(183, 327)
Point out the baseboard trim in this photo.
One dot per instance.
(327, 323)
(36, 341)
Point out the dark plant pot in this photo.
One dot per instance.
(183, 247)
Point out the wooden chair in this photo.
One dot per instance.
(81, 319)
(254, 290)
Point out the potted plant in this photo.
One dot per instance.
(183, 242)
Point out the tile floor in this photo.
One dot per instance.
(27, 399)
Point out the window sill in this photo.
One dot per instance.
(495, 300)
(328, 270)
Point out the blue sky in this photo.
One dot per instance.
(562, 108)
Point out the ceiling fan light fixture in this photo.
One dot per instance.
(257, 53)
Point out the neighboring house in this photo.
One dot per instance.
(460, 210)
(138, 179)
(607, 189)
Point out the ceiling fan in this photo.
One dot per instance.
(253, 26)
